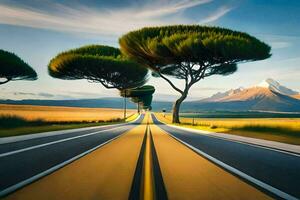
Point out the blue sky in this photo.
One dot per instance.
(37, 30)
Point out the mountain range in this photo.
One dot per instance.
(269, 95)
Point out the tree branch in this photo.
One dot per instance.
(173, 86)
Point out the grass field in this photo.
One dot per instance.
(62, 114)
(240, 114)
(285, 130)
(23, 119)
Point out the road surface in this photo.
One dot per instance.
(277, 169)
(22, 161)
(144, 160)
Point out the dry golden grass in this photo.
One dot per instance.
(285, 130)
(229, 123)
(62, 114)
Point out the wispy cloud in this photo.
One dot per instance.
(24, 93)
(280, 45)
(36, 95)
(113, 21)
(216, 15)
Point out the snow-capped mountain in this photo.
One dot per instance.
(268, 87)
(276, 87)
(269, 95)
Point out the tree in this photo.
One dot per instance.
(13, 68)
(142, 96)
(191, 53)
(146, 101)
(100, 64)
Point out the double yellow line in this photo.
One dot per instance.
(148, 183)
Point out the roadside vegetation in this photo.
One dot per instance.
(286, 130)
(240, 114)
(62, 114)
(20, 120)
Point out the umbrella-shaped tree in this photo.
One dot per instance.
(191, 53)
(146, 101)
(142, 96)
(100, 64)
(13, 68)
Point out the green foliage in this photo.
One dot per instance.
(14, 68)
(141, 95)
(168, 49)
(11, 121)
(96, 50)
(146, 101)
(98, 63)
(140, 91)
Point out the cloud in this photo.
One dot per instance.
(169, 8)
(44, 94)
(114, 21)
(216, 15)
(84, 93)
(38, 95)
(24, 93)
(280, 45)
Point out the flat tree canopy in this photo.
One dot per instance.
(98, 63)
(142, 96)
(191, 53)
(144, 102)
(139, 91)
(13, 68)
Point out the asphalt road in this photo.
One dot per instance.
(277, 169)
(23, 160)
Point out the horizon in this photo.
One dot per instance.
(57, 26)
(159, 97)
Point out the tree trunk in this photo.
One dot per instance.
(176, 107)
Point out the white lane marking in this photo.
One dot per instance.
(53, 142)
(52, 169)
(237, 172)
(20, 138)
(57, 141)
(231, 140)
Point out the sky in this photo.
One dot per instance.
(37, 30)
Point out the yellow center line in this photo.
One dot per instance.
(148, 182)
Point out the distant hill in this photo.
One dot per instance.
(221, 95)
(88, 103)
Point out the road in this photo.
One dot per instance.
(277, 169)
(144, 160)
(22, 161)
